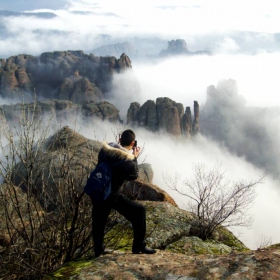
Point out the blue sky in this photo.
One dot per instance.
(23, 5)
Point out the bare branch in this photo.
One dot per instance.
(214, 199)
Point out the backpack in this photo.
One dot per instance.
(98, 185)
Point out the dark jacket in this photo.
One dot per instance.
(125, 171)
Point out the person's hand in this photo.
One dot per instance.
(136, 151)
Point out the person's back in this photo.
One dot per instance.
(126, 170)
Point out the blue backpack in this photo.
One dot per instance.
(98, 185)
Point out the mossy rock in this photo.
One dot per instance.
(120, 237)
(168, 227)
(72, 268)
(223, 235)
(194, 245)
(166, 224)
(274, 246)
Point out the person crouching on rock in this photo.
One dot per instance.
(125, 170)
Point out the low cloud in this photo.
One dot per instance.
(81, 24)
(228, 45)
(168, 155)
(245, 48)
(185, 79)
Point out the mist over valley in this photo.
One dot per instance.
(71, 52)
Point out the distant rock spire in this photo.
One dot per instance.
(165, 115)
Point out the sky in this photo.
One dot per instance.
(78, 23)
(243, 37)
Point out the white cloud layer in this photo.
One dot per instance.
(243, 37)
(167, 155)
(192, 16)
(185, 79)
(203, 24)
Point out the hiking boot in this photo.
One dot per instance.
(144, 250)
(99, 251)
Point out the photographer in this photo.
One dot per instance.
(124, 168)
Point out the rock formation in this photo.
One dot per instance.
(165, 115)
(195, 124)
(69, 83)
(179, 47)
(103, 110)
(68, 75)
(60, 111)
(251, 265)
(84, 154)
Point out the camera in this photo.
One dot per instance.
(135, 144)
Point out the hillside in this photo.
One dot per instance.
(46, 197)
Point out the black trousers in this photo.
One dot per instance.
(131, 210)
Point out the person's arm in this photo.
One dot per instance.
(100, 156)
(132, 170)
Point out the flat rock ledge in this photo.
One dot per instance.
(260, 264)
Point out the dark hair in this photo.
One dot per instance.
(127, 137)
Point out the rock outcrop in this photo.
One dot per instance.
(251, 265)
(179, 47)
(165, 115)
(70, 75)
(103, 110)
(139, 190)
(60, 111)
(82, 153)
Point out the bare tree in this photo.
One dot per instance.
(45, 217)
(215, 200)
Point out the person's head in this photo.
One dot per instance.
(127, 138)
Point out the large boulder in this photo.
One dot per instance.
(146, 191)
(65, 160)
(168, 227)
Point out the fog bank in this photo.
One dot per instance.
(168, 155)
